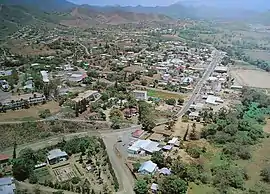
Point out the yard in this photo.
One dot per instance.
(29, 114)
(163, 95)
(43, 174)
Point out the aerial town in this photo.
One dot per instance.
(130, 107)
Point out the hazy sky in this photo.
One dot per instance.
(125, 2)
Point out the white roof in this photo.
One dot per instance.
(211, 99)
(146, 145)
(148, 166)
(173, 140)
(45, 76)
(194, 114)
(56, 153)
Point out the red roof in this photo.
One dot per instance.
(137, 133)
(3, 157)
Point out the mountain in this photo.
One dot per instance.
(258, 5)
(44, 5)
(85, 15)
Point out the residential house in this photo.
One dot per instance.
(7, 185)
(148, 168)
(4, 159)
(140, 95)
(56, 156)
(87, 95)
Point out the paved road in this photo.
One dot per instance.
(216, 59)
(54, 140)
(125, 178)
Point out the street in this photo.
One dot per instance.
(216, 60)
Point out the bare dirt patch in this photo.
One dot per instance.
(181, 127)
(259, 54)
(31, 113)
(252, 78)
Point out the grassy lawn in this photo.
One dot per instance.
(260, 159)
(200, 189)
(43, 174)
(29, 114)
(163, 95)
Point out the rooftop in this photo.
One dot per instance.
(84, 95)
(3, 157)
(56, 153)
(148, 166)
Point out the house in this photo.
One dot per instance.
(45, 76)
(194, 115)
(140, 95)
(144, 145)
(87, 95)
(4, 159)
(148, 168)
(7, 185)
(130, 112)
(77, 77)
(56, 156)
(154, 188)
(221, 69)
(174, 141)
(157, 137)
(167, 148)
(165, 171)
(138, 133)
(6, 73)
(213, 100)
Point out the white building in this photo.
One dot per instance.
(140, 95)
(144, 145)
(45, 76)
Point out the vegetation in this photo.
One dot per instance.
(141, 187)
(146, 117)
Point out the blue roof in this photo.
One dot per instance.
(148, 166)
(7, 186)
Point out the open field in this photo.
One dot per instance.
(251, 78)
(258, 54)
(29, 114)
(163, 95)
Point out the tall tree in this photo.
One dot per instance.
(141, 187)
(173, 185)
(14, 149)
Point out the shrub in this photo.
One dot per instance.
(265, 173)
(75, 180)
(45, 113)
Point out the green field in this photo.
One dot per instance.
(163, 95)
(43, 174)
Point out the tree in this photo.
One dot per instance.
(22, 169)
(186, 134)
(116, 113)
(144, 82)
(14, 150)
(146, 115)
(171, 101)
(265, 173)
(158, 158)
(136, 166)
(140, 187)
(194, 134)
(173, 185)
(181, 101)
(44, 113)
(33, 178)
